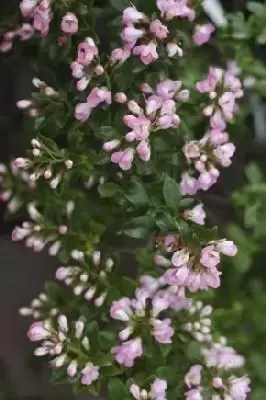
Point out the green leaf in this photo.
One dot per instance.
(53, 290)
(120, 5)
(92, 331)
(128, 286)
(256, 8)
(137, 194)
(166, 223)
(117, 390)
(253, 173)
(106, 132)
(171, 193)
(140, 227)
(109, 189)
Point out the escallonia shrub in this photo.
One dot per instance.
(122, 148)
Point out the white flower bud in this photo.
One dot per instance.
(22, 104)
(96, 257)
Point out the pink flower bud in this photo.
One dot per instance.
(99, 70)
(23, 104)
(111, 145)
(134, 107)
(72, 369)
(160, 30)
(120, 97)
(217, 383)
(69, 23)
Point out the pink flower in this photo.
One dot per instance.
(197, 214)
(177, 276)
(111, 145)
(27, 7)
(160, 302)
(131, 16)
(147, 52)
(77, 70)
(144, 150)
(42, 17)
(120, 97)
(123, 158)
(223, 358)
(131, 34)
(140, 126)
(172, 8)
(209, 84)
(72, 369)
(167, 89)
(160, 30)
(26, 32)
(203, 33)
(158, 389)
(194, 394)
(180, 258)
(227, 104)
(207, 278)
(70, 23)
(224, 154)
(193, 377)
(206, 180)
(121, 309)
(87, 50)
(89, 374)
(217, 122)
(217, 382)
(162, 330)
(209, 257)
(37, 332)
(128, 352)
(82, 111)
(188, 185)
(227, 247)
(98, 96)
(119, 55)
(239, 388)
(153, 103)
(191, 150)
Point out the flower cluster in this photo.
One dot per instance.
(65, 343)
(40, 307)
(49, 163)
(12, 183)
(24, 32)
(90, 278)
(214, 149)
(39, 12)
(157, 113)
(31, 106)
(192, 267)
(224, 88)
(157, 391)
(39, 233)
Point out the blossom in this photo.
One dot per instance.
(239, 388)
(193, 377)
(42, 16)
(82, 111)
(131, 34)
(194, 394)
(90, 374)
(131, 15)
(69, 23)
(98, 96)
(128, 352)
(223, 358)
(87, 50)
(196, 214)
(162, 330)
(121, 309)
(123, 158)
(158, 389)
(210, 257)
(203, 33)
(27, 7)
(147, 52)
(37, 332)
(160, 30)
(188, 185)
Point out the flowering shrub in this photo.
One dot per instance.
(120, 150)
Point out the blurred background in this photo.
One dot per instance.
(236, 204)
